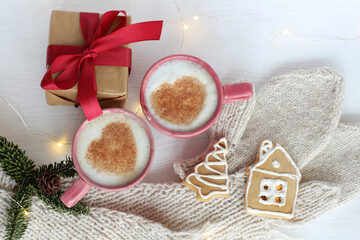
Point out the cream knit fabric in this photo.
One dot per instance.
(299, 110)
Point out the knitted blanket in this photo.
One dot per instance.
(300, 110)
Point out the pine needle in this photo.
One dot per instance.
(54, 202)
(20, 168)
(17, 221)
(64, 168)
(15, 163)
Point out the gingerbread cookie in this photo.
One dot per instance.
(273, 183)
(210, 177)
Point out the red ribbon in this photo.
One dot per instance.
(77, 63)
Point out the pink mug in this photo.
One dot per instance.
(82, 185)
(226, 94)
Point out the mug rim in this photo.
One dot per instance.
(182, 134)
(138, 179)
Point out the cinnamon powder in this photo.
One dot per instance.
(181, 102)
(115, 151)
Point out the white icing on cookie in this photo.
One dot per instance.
(269, 191)
(218, 150)
(266, 149)
(275, 164)
(262, 212)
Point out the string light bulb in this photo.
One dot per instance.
(138, 109)
(60, 144)
(186, 27)
(26, 213)
(285, 32)
(196, 18)
(208, 238)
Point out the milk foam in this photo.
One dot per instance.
(93, 131)
(168, 73)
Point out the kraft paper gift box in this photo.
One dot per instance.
(112, 81)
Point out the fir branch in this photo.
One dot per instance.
(17, 222)
(64, 168)
(15, 163)
(53, 201)
(20, 168)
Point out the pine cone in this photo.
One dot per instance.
(49, 182)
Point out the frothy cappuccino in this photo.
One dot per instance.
(181, 95)
(113, 149)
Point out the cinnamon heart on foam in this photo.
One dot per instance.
(181, 102)
(115, 151)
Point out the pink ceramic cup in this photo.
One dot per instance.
(81, 186)
(226, 94)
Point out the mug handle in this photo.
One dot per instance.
(75, 192)
(237, 92)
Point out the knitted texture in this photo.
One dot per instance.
(299, 110)
(339, 162)
(158, 211)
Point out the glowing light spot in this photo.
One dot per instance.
(60, 144)
(285, 32)
(186, 27)
(196, 18)
(138, 109)
(26, 213)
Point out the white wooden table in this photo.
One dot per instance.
(252, 40)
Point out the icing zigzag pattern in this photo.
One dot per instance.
(210, 177)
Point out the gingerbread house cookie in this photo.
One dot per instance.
(273, 183)
(210, 177)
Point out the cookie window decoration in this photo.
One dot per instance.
(273, 183)
(272, 192)
(210, 177)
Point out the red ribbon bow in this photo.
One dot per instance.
(77, 63)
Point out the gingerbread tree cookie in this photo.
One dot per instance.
(210, 177)
(273, 183)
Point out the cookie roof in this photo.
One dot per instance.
(275, 159)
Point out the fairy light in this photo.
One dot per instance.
(138, 110)
(285, 32)
(182, 20)
(209, 238)
(26, 213)
(59, 144)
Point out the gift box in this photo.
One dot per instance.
(88, 58)
(112, 81)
